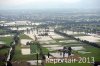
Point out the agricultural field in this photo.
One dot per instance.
(32, 44)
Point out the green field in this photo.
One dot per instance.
(68, 64)
(23, 36)
(95, 52)
(6, 40)
(18, 55)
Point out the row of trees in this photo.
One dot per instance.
(86, 28)
(83, 41)
(13, 45)
(6, 59)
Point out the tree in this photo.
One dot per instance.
(37, 58)
(64, 51)
(16, 39)
(69, 51)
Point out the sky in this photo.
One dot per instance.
(48, 4)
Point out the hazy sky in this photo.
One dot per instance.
(48, 4)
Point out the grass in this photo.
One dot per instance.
(3, 51)
(45, 50)
(80, 35)
(2, 63)
(6, 40)
(68, 64)
(2, 31)
(34, 48)
(18, 55)
(66, 38)
(95, 52)
(23, 36)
